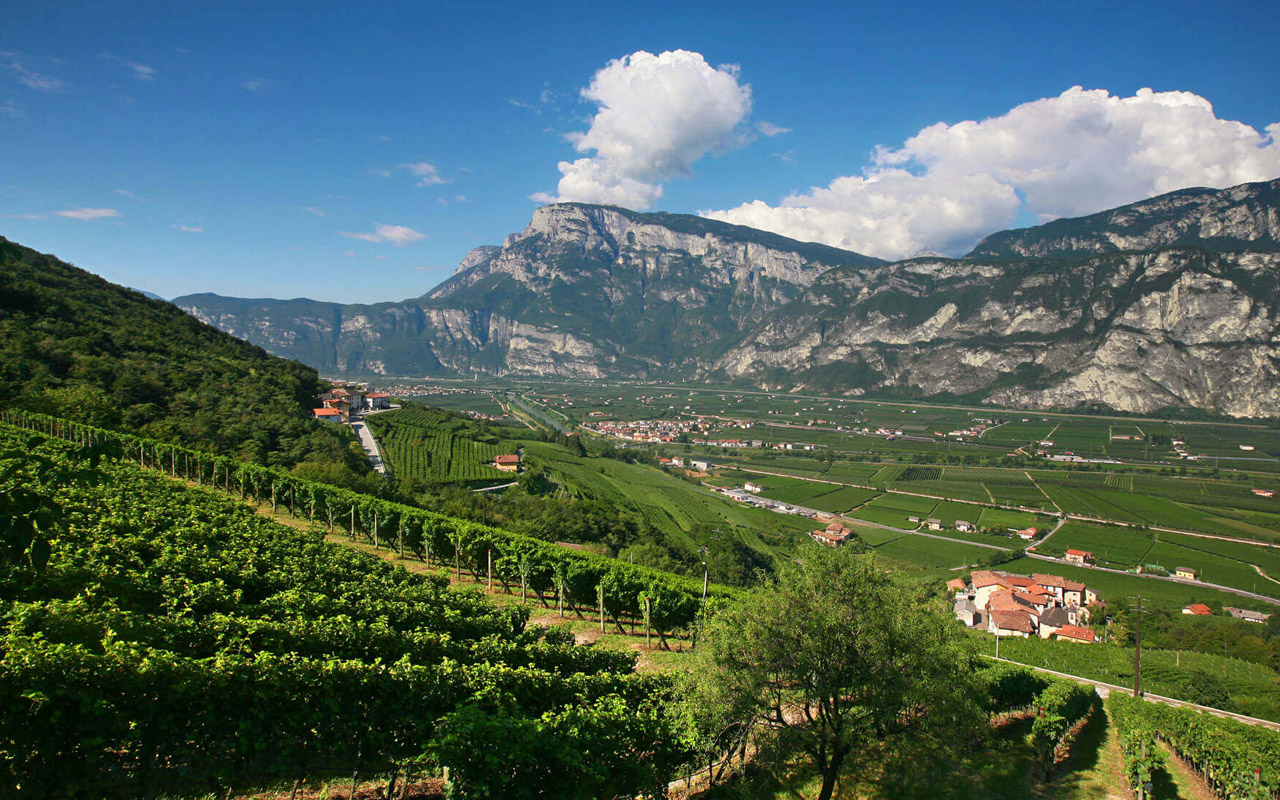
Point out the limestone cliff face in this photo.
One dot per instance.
(1172, 301)
(1245, 216)
(1136, 332)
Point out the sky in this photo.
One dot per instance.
(356, 152)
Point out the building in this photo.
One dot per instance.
(1010, 623)
(964, 526)
(934, 524)
(1081, 557)
(507, 463)
(833, 535)
(1247, 615)
(754, 488)
(967, 612)
(1052, 621)
(1027, 534)
(1265, 492)
(1190, 573)
(701, 466)
(1197, 609)
(1075, 633)
(328, 414)
(378, 400)
(957, 586)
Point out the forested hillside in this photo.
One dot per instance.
(76, 345)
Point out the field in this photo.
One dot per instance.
(419, 442)
(1120, 548)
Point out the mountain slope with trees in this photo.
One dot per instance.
(75, 345)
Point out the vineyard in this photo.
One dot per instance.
(160, 643)
(420, 442)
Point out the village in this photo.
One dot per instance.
(347, 400)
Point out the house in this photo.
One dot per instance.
(965, 527)
(701, 466)
(985, 584)
(1010, 623)
(754, 488)
(1247, 615)
(1052, 621)
(916, 520)
(1075, 633)
(1190, 573)
(1027, 534)
(666, 462)
(833, 535)
(507, 463)
(1080, 557)
(328, 414)
(934, 524)
(378, 400)
(957, 586)
(967, 612)
(1265, 492)
(1197, 609)
(677, 461)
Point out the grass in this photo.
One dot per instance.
(1121, 548)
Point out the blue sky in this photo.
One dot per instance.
(182, 147)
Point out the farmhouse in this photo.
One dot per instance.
(965, 527)
(957, 586)
(507, 463)
(1265, 492)
(754, 488)
(1197, 609)
(1075, 633)
(328, 414)
(935, 524)
(1027, 534)
(1190, 573)
(1247, 615)
(1080, 557)
(378, 400)
(1011, 623)
(833, 535)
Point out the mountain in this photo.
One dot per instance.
(1172, 301)
(74, 344)
(1245, 217)
(583, 290)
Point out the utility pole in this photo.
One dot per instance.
(1137, 653)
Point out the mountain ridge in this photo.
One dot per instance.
(1169, 301)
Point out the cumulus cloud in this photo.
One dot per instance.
(426, 173)
(657, 115)
(188, 228)
(769, 129)
(88, 213)
(257, 84)
(399, 235)
(1078, 153)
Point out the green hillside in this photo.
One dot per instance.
(75, 345)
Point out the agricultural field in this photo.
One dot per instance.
(1253, 688)
(925, 552)
(1112, 546)
(1155, 593)
(419, 442)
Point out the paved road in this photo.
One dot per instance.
(1105, 689)
(368, 444)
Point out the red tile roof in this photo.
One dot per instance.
(1013, 621)
(507, 460)
(1199, 608)
(327, 412)
(1084, 553)
(1075, 632)
(955, 583)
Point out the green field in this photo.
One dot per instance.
(420, 442)
(1112, 546)
(926, 552)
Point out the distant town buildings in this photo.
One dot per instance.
(1197, 609)
(1190, 573)
(1081, 557)
(1247, 615)
(833, 535)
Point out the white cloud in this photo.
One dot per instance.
(188, 228)
(88, 213)
(399, 235)
(426, 173)
(1078, 153)
(257, 84)
(657, 115)
(140, 71)
(126, 193)
(319, 212)
(769, 129)
(348, 253)
(36, 80)
(9, 109)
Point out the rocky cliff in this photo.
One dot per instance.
(1172, 301)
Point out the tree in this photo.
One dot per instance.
(835, 661)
